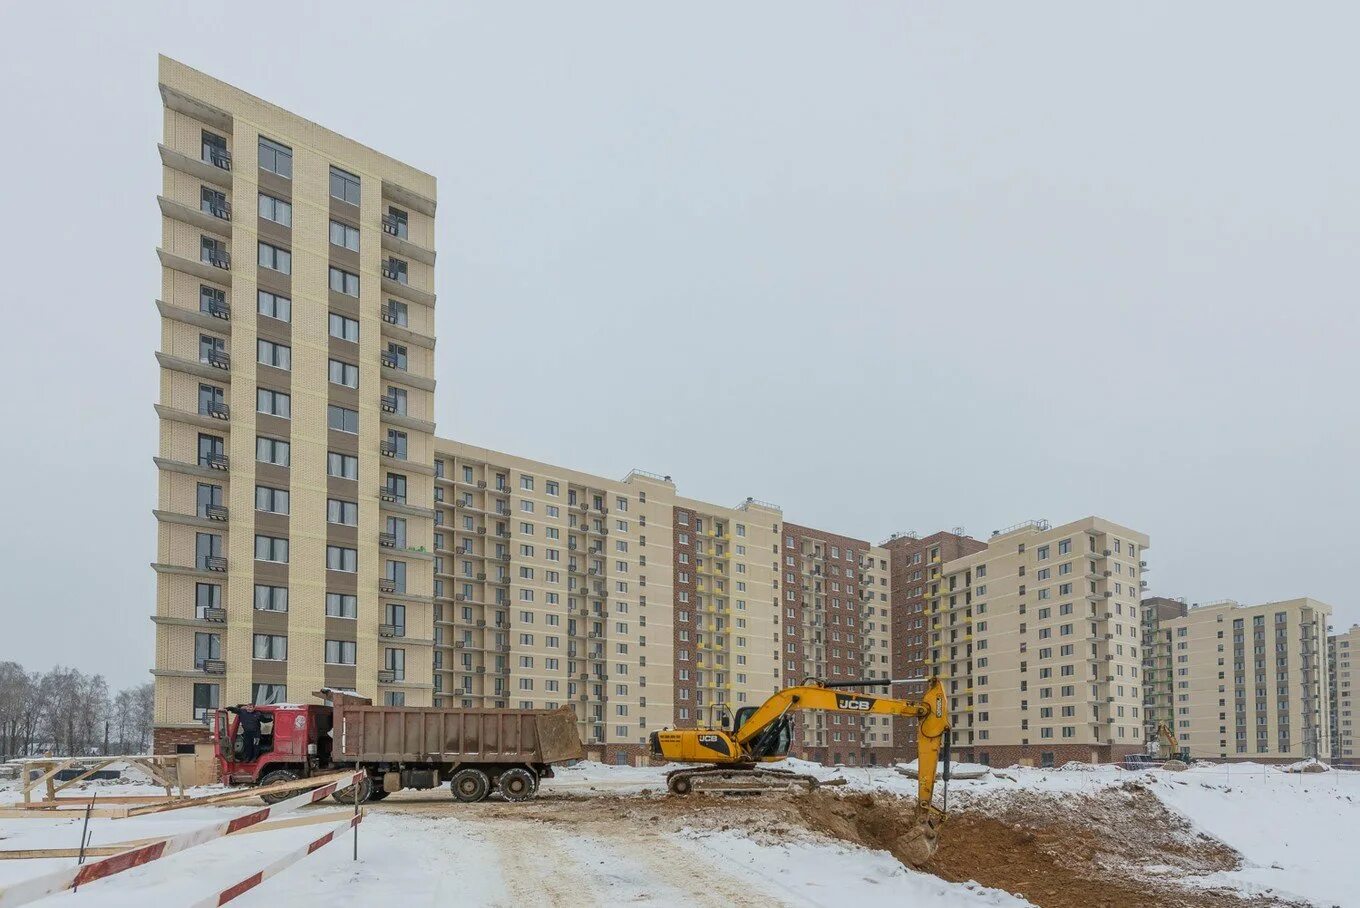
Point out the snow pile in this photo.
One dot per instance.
(1312, 764)
(956, 770)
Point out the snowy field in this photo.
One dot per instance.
(1296, 834)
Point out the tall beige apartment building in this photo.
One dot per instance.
(1344, 664)
(1251, 681)
(836, 620)
(296, 457)
(1037, 640)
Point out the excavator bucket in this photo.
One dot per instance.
(919, 842)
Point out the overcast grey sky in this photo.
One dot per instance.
(906, 266)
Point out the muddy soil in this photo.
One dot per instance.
(1120, 848)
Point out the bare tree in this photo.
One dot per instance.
(69, 713)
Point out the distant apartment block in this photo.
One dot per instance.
(1252, 681)
(836, 625)
(1344, 665)
(1158, 663)
(913, 560)
(1036, 638)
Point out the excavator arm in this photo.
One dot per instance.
(932, 724)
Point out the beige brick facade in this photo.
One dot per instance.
(1344, 664)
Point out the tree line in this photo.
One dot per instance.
(66, 712)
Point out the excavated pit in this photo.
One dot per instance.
(1119, 848)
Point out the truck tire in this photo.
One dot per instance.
(377, 794)
(470, 785)
(278, 775)
(362, 791)
(517, 784)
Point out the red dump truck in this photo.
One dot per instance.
(477, 751)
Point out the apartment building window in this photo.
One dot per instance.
(340, 652)
(342, 281)
(273, 403)
(206, 699)
(276, 158)
(207, 551)
(274, 306)
(339, 558)
(212, 350)
(344, 328)
(344, 235)
(213, 301)
(396, 485)
(211, 401)
(276, 210)
(272, 450)
(271, 646)
(213, 202)
(398, 313)
(271, 548)
(213, 252)
(344, 186)
(395, 269)
(275, 259)
(342, 419)
(397, 443)
(395, 357)
(342, 605)
(271, 500)
(343, 373)
(396, 222)
(269, 353)
(342, 512)
(397, 527)
(271, 598)
(394, 660)
(214, 150)
(396, 572)
(206, 647)
(400, 401)
(397, 698)
(396, 616)
(206, 596)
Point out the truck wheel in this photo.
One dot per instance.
(517, 784)
(377, 794)
(680, 785)
(278, 775)
(362, 791)
(470, 785)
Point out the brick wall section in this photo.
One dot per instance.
(1033, 754)
(909, 641)
(170, 740)
(683, 523)
(851, 664)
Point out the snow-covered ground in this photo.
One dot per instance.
(1295, 832)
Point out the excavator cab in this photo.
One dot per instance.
(772, 743)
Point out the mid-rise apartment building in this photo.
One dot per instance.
(1036, 638)
(836, 626)
(912, 561)
(1158, 663)
(1252, 681)
(296, 457)
(1344, 664)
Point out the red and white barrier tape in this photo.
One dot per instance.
(255, 879)
(26, 891)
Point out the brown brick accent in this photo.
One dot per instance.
(632, 753)
(909, 642)
(168, 740)
(1011, 754)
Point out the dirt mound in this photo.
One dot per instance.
(894, 825)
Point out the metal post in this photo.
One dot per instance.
(85, 834)
(357, 792)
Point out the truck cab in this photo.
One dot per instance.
(292, 737)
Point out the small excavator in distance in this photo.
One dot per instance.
(732, 757)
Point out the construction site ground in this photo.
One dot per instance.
(609, 836)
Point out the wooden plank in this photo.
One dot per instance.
(94, 851)
(102, 799)
(22, 813)
(45, 778)
(242, 794)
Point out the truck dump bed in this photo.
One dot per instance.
(367, 733)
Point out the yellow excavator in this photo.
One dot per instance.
(730, 757)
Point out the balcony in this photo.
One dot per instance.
(219, 310)
(389, 315)
(219, 158)
(219, 210)
(215, 563)
(218, 258)
(215, 615)
(215, 512)
(390, 360)
(217, 410)
(219, 359)
(391, 630)
(394, 270)
(393, 227)
(213, 666)
(387, 540)
(387, 585)
(389, 403)
(387, 448)
(386, 676)
(215, 461)
(387, 493)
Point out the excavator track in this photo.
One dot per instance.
(739, 779)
